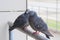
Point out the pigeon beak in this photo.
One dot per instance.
(48, 33)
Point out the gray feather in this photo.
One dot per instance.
(38, 24)
(20, 22)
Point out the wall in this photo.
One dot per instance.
(4, 33)
(8, 12)
(11, 5)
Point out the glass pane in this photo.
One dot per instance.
(12, 5)
(58, 14)
(43, 13)
(52, 18)
(58, 20)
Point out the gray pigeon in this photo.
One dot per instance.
(21, 21)
(38, 24)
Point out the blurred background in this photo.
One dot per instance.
(48, 10)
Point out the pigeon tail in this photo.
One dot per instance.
(47, 36)
(11, 28)
(48, 33)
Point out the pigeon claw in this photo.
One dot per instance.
(36, 32)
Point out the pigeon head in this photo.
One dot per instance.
(32, 13)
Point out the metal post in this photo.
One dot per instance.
(26, 4)
(56, 13)
(47, 15)
(9, 35)
(10, 31)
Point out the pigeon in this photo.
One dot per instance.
(38, 24)
(21, 21)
